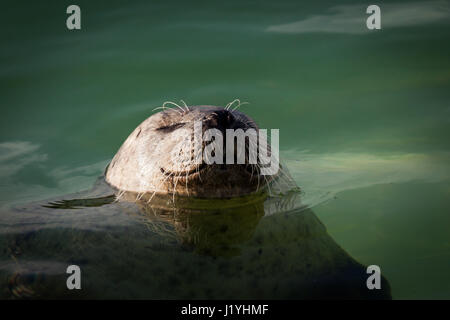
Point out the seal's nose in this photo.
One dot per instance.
(220, 119)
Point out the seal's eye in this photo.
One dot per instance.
(170, 128)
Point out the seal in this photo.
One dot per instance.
(231, 233)
(157, 157)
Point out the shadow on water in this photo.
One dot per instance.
(256, 247)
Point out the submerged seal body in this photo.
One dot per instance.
(156, 157)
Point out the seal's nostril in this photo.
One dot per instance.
(222, 118)
(230, 118)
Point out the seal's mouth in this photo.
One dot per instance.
(196, 171)
(185, 173)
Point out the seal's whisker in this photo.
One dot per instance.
(149, 200)
(187, 189)
(285, 177)
(165, 107)
(199, 173)
(175, 104)
(257, 187)
(139, 196)
(167, 176)
(240, 104)
(267, 184)
(119, 195)
(227, 107)
(176, 178)
(185, 105)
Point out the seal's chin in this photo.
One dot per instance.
(215, 180)
(186, 173)
(196, 171)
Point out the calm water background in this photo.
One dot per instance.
(363, 116)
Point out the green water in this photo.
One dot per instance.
(363, 116)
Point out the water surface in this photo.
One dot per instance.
(363, 116)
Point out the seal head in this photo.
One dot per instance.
(158, 157)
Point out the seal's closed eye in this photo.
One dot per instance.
(170, 128)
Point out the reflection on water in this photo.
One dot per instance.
(236, 248)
